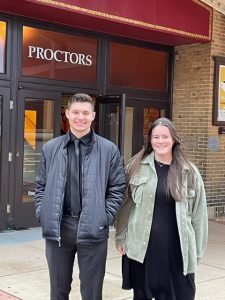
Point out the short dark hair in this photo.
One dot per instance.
(80, 98)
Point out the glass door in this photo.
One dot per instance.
(4, 151)
(139, 115)
(39, 121)
(126, 122)
(110, 118)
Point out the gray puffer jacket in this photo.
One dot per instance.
(103, 186)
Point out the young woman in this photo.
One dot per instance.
(162, 226)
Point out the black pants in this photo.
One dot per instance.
(91, 262)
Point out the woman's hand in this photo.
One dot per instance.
(121, 250)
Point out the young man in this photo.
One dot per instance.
(79, 190)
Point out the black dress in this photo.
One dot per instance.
(161, 274)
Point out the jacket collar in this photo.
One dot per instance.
(150, 160)
(67, 138)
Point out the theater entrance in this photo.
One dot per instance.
(41, 117)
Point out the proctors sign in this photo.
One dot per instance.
(59, 56)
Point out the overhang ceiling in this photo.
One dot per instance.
(166, 22)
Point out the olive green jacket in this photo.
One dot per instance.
(133, 223)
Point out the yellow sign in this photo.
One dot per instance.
(221, 94)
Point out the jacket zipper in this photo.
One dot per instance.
(61, 213)
(82, 193)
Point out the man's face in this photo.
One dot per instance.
(80, 116)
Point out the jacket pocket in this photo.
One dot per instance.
(137, 184)
(190, 200)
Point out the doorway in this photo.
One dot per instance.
(127, 121)
(39, 121)
(4, 154)
(41, 117)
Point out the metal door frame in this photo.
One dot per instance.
(4, 158)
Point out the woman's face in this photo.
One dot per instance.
(162, 142)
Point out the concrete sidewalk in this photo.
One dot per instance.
(24, 273)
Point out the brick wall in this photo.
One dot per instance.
(192, 112)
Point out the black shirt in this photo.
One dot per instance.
(73, 193)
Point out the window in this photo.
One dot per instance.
(1, 104)
(135, 67)
(2, 47)
(61, 56)
(38, 129)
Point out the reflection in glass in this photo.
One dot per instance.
(110, 128)
(113, 119)
(129, 115)
(150, 115)
(1, 100)
(38, 129)
(2, 46)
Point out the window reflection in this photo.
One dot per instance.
(150, 115)
(109, 124)
(129, 116)
(2, 46)
(1, 100)
(38, 129)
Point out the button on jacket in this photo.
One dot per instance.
(133, 224)
(103, 185)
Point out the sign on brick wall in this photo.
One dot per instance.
(213, 143)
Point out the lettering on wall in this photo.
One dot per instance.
(59, 56)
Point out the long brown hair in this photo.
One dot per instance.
(175, 176)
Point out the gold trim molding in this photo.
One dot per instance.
(132, 21)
